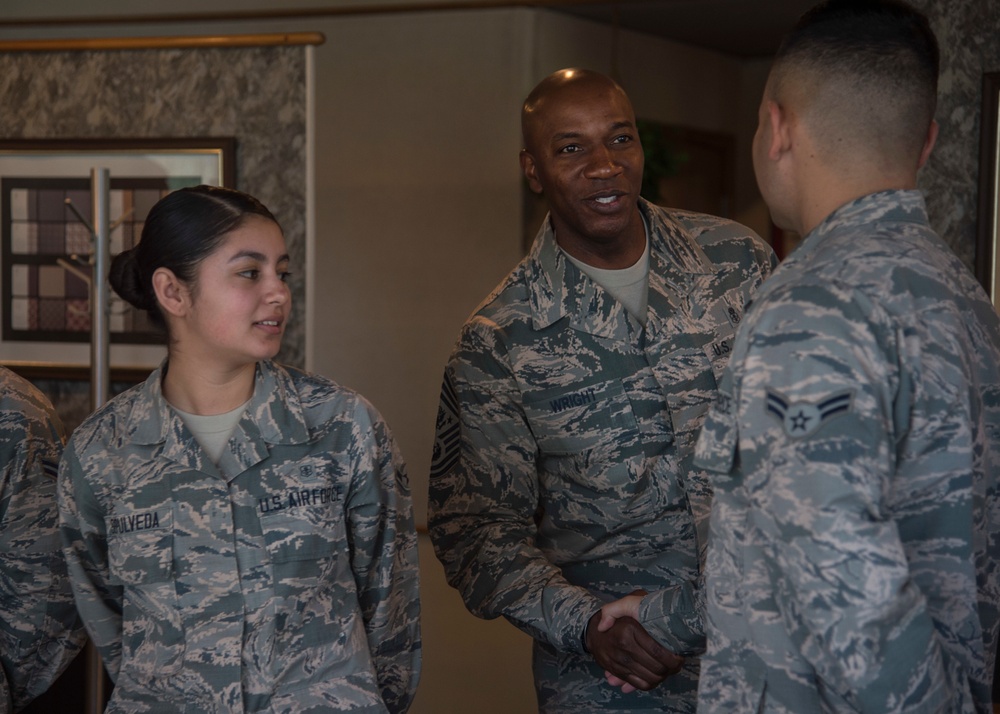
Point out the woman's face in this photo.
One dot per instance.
(241, 301)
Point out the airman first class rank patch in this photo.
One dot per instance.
(802, 419)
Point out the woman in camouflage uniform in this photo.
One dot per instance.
(239, 534)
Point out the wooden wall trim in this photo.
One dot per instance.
(157, 43)
(338, 10)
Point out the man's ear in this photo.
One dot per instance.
(173, 295)
(779, 136)
(530, 171)
(932, 135)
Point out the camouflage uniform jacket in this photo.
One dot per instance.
(852, 561)
(283, 580)
(40, 632)
(562, 476)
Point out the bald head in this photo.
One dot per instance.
(863, 75)
(560, 87)
(582, 152)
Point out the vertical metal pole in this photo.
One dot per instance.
(94, 694)
(99, 312)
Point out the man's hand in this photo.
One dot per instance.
(629, 655)
(627, 606)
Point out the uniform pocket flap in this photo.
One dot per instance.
(140, 546)
(578, 418)
(308, 530)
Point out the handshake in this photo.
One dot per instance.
(631, 658)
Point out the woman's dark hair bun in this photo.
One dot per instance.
(127, 280)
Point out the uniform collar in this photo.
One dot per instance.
(557, 288)
(895, 206)
(275, 409)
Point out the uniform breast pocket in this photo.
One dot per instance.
(308, 528)
(307, 545)
(141, 559)
(140, 546)
(717, 448)
(587, 435)
(689, 378)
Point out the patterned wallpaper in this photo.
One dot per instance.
(257, 95)
(967, 33)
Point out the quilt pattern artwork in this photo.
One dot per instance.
(46, 253)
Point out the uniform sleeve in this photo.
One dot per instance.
(819, 447)
(673, 616)
(84, 542)
(40, 632)
(484, 501)
(383, 546)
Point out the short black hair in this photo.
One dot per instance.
(883, 52)
(880, 39)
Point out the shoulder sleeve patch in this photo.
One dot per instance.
(801, 419)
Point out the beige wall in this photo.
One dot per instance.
(418, 217)
(418, 201)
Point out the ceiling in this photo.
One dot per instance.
(743, 28)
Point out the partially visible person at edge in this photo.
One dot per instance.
(239, 534)
(40, 632)
(562, 473)
(854, 446)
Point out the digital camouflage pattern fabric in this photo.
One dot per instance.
(40, 632)
(852, 561)
(562, 472)
(283, 580)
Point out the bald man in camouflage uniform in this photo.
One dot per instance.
(40, 632)
(284, 579)
(562, 474)
(855, 443)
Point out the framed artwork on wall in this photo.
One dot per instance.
(988, 218)
(46, 241)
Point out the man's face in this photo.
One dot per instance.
(583, 153)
